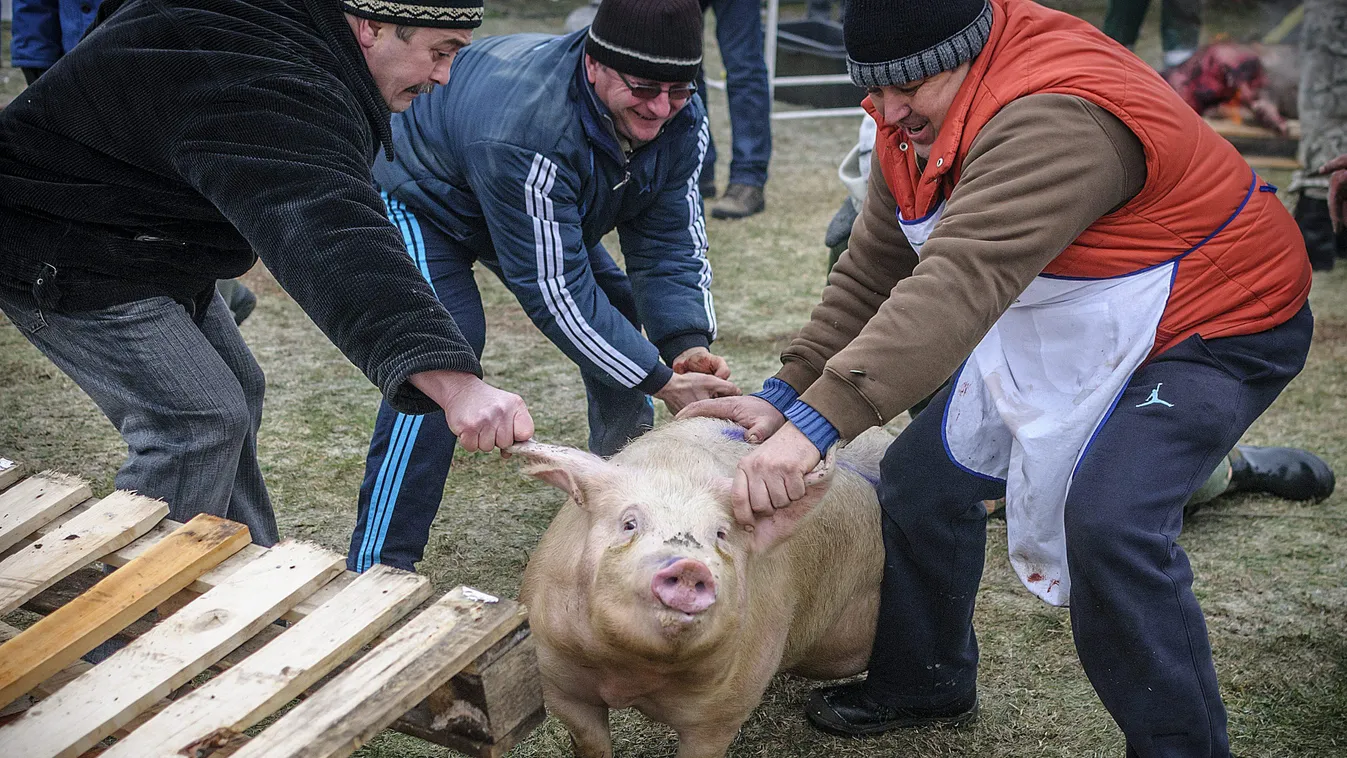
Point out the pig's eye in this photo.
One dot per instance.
(721, 534)
(629, 524)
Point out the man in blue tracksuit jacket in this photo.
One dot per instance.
(537, 147)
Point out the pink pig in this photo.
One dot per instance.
(644, 593)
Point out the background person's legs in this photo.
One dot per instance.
(739, 38)
(1323, 125)
(185, 396)
(1180, 29)
(1137, 625)
(409, 456)
(617, 415)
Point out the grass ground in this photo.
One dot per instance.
(1272, 575)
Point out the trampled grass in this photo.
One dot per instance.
(1272, 576)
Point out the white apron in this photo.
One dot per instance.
(1028, 401)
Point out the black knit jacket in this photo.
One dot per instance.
(179, 138)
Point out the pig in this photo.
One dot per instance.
(645, 593)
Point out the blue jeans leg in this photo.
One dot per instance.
(409, 456)
(739, 37)
(617, 415)
(185, 394)
(1137, 625)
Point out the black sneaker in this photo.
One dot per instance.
(848, 710)
(740, 200)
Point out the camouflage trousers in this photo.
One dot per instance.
(1323, 93)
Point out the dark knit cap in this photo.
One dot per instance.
(441, 14)
(893, 43)
(660, 40)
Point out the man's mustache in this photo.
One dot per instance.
(422, 89)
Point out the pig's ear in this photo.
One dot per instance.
(569, 470)
(771, 531)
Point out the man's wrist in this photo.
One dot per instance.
(813, 425)
(656, 380)
(441, 385)
(778, 393)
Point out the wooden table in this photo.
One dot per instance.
(274, 625)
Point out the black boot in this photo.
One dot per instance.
(1317, 228)
(1286, 472)
(849, 711)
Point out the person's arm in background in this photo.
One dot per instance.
(530, 206)
(36, 42)
(296, 184)
(1336, 170)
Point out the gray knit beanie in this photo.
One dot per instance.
(895, 42)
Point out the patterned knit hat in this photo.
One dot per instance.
(441, 14)
(659, 40)
(893, 43)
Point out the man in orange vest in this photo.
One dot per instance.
(1117, 296)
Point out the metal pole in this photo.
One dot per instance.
(769, 46)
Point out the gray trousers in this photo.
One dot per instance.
(185, 394)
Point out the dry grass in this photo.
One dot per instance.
(1270, 574)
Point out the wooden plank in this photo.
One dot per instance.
(52, 683)
(484, 698)
(62, 637)
(407, 667)
(279, 672)
(36, 501)
(10, 472)
(112, 523)
(169, 655)
(1231, 129)
(466, 695)
(486, 709)
(218, 573)
(1272, 162)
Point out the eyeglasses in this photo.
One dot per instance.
(677, 92)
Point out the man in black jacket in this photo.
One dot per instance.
(175, 145)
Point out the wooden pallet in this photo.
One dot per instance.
(274, 625)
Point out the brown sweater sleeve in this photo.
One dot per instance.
(1041, 171)
(877, 257)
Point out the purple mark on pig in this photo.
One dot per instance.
(871, 478)
(735, 433)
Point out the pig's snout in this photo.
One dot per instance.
(685, 585)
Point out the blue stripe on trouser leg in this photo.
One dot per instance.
(409, 456)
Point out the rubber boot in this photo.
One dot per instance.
(1286, 472)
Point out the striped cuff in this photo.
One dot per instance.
(778, 393)
(817, 428)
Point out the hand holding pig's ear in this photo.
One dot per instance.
(699, 360)
(759, 418)
(1337, 190)
(772, 477)
(771, 529)
(683, 389)
(481, 416)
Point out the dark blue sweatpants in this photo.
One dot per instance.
(409, 456)
(1138, 629)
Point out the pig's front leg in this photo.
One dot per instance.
(707, 740)
(588, 724)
